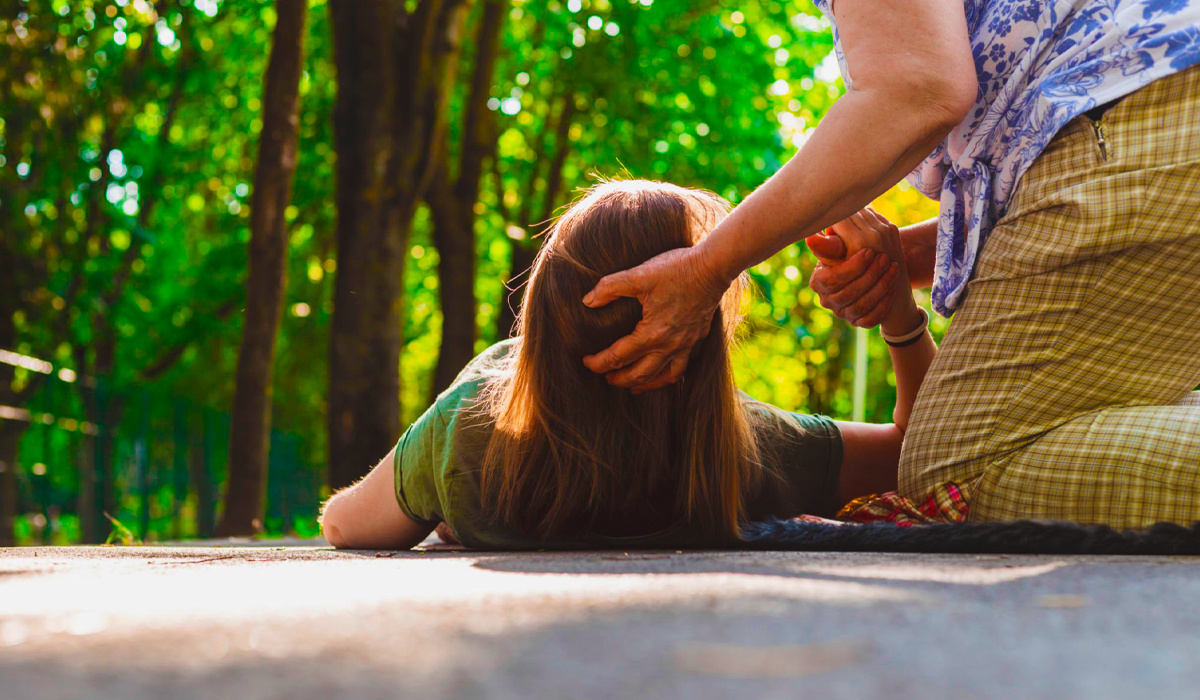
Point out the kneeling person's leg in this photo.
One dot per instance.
(1084, 301)
(1070, 405)
(1125, 467)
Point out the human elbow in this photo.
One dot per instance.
(951, 98)
(333, 524)
(944, 97)
(940, 100)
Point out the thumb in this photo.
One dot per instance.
(827, 247)
(609, 289)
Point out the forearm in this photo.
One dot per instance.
(919, 242)
(870, 453)
(909, 362)
(833, 176)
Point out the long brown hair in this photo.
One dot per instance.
(571, 452)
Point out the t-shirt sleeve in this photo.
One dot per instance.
(432, 455)
(420, 461)
(820, 480)
(803, 459)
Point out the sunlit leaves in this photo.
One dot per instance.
(707, 93)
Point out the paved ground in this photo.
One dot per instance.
(306, 622)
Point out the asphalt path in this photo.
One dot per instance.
(300, 622)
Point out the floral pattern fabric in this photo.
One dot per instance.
(1040, 64)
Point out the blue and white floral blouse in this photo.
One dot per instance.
(1040, 64)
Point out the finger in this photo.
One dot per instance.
(826, 247)
(845, 227)
(855, 290)
(860, 221)
(875, 316)
(644, 370)
(831, 278)
(620, 354)
(868, 301)
(611, 288)
(670, 374)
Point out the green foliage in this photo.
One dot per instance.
(120, 534)
(128, 135)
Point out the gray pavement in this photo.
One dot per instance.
(249, 622)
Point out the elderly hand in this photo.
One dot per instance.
(862, 272)
(679, 294)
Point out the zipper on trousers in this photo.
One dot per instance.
(1098, 127)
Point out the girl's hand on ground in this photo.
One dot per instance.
(679, 295)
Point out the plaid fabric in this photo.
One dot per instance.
(948, 502)
(1063, 383)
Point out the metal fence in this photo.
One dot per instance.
(154, 463)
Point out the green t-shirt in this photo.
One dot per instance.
(438, 461)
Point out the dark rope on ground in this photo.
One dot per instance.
(1017, 537)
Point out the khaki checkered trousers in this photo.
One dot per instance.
(1065, 382)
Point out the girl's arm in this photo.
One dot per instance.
(367, 515)
(920, 250)
(871, 452)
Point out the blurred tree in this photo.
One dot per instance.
(251, 418)
(452, 198)
(74, 252)
(395, 69)
(127, 137)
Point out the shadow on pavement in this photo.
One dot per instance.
(873, 568)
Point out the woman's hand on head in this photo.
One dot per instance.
(861, 273)
(679, 294)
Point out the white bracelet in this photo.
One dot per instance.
(909, 337)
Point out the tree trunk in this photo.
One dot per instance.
(394, 70)
(454, 235)
(453, 206)
(9, 429)
(104, 408)
(10, 436)
(364, 392)
(524, 251)
(249, 439)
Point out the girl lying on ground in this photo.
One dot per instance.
(530, 449)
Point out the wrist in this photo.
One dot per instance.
(714, 272)
(919, 243)
(904, 318)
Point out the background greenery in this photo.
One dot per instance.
(129, 132)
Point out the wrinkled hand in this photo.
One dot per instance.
(861, 268)
(679, 295)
